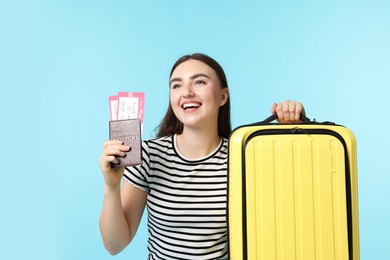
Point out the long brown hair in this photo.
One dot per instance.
(171, 125)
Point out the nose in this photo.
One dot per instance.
(188, 91)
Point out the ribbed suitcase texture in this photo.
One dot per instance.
(292, 192)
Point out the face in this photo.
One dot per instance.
(196, 94)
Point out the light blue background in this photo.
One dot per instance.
(60, 60)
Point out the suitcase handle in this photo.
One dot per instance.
(273, 117)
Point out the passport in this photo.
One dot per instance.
(129, 132)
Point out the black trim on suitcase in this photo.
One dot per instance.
(298, 130)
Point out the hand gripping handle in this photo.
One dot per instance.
(273, 117)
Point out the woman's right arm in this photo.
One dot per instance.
(122, 208)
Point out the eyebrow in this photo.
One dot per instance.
(192, 77)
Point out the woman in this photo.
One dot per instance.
(183, 177)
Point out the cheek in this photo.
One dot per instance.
(217, 96)
(174, 102)
(173, 99)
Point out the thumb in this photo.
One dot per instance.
(273, 109)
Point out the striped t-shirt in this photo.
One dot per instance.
(186, 201)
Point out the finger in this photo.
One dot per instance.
(301, 108)
(279, 112)
(113, 159)
(111, 142)
(298, 111)
(105, 161)
(286, 110)
(292, 109)
(273, 108)
(297, 116)
(116, 150)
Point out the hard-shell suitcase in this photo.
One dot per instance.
(292, 192)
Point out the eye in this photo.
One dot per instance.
(200, 82)
(175, 86)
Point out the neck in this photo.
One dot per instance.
(197, 143)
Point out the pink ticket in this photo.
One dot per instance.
(113, 100)
(127, 105)
(131, 105)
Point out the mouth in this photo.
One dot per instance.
(191, 105)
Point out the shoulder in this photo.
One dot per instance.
(225, 141)
(224, 145)
(160, 141)
(161, 144)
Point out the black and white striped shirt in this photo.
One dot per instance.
(186, 201)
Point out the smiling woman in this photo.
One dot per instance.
(211, 72)
(196, 96)
(183, 176)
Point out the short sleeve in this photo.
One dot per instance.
(138, 175)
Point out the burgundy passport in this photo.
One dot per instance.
(129, 132)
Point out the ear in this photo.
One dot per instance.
(224, 96)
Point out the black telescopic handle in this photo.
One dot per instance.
(273, 117)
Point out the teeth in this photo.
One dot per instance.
(188, 105)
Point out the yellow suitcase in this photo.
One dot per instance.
(292, 192)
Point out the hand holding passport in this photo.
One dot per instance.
(126, 119)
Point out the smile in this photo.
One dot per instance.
(191, 105)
